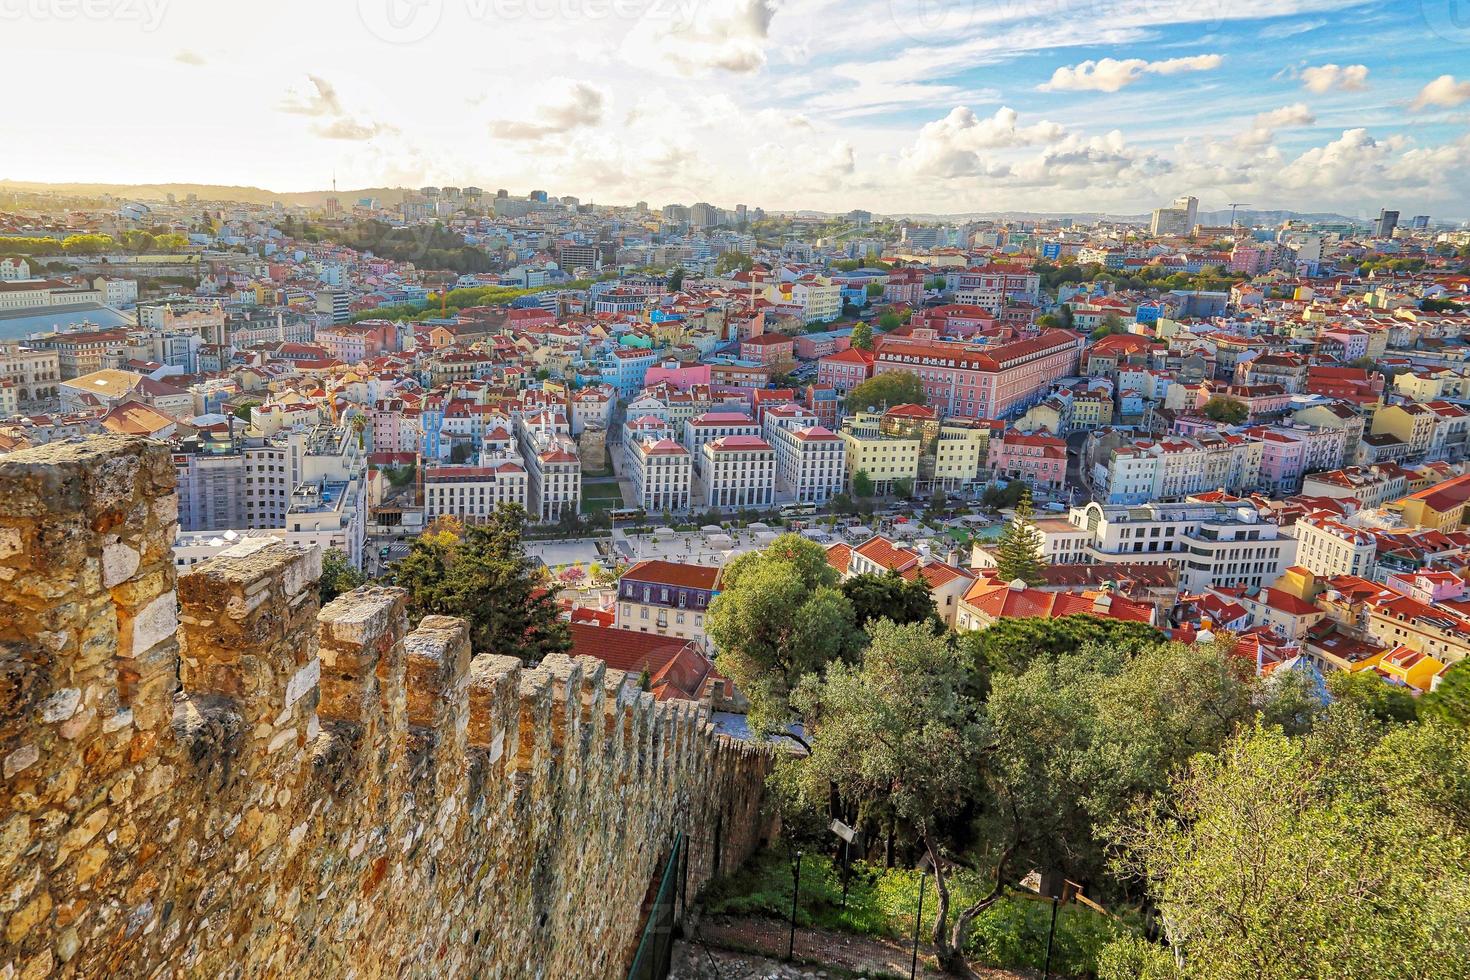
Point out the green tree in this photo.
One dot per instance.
(676, 279)
(1011, 644)
(899, 728)
(1007, 496)
(87, 244)
(1227, 411)
(890, 321)
(779, 617)
(1449, 702)
(1112, 324)
(481, 573)
(1339, 854)
(862, 336)
(891, 596)
(338, 575)
(887, 389)
(242, 410)
(1371, 693)
(1018, 552)
(729, 262)
(903, 487)
(874, 290)
(842, 503)
(938, 500)
(862, 484)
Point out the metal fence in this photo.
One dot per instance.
(656, 947)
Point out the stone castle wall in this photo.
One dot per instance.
(208, 776)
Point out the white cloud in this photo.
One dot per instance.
(1110, 74)
(319, 98)
(950, 147)
(578, 105)
(702, 37)
(1444, 91)
(1263, 128)
(1325, 78)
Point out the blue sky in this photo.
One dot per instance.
(891, 105)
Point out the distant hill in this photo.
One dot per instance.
(394, 195)
(208, 192)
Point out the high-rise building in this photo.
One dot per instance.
(1190, 207)
(1386, 223)
(1419, 221)
(703, 215)
(539, 196)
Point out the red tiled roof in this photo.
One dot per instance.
(676, 669)
(674, 573)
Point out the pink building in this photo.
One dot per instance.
(391, 432)
(954, 320)
(904, 286)
(768, 348)
(810, 346)
(1038, 460)
(683, 378)
(847, 370)
(983, 381)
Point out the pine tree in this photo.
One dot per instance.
(1018, 553)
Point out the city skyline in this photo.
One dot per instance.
(894, 107)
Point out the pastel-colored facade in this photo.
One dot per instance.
(769, 349)
(1037, 460)
(1329, 547)
(626, 369)
(668, 598)
(738, 471)
(881, 457)
(846, 370)
(979, 381)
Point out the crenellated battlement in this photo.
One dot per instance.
(207, 774)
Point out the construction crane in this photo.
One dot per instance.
(1233, 206)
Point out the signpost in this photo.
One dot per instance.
(847, 834)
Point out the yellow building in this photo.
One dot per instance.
(1411, 424)
(1409, 667)
(883, 458)
(962, 451)
(1439, 508)
(1091, 410)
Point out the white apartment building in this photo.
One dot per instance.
(117, 292)
(35, 372)
(12, 269)
(1327, 547)
(662, 473)
(1372, 486)
(811, 460)
(1210, 544)
(552, 463)
(472, 493)
(1170, 469)
(710, 426)
(739, 471)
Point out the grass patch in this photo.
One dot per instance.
(882, 902)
